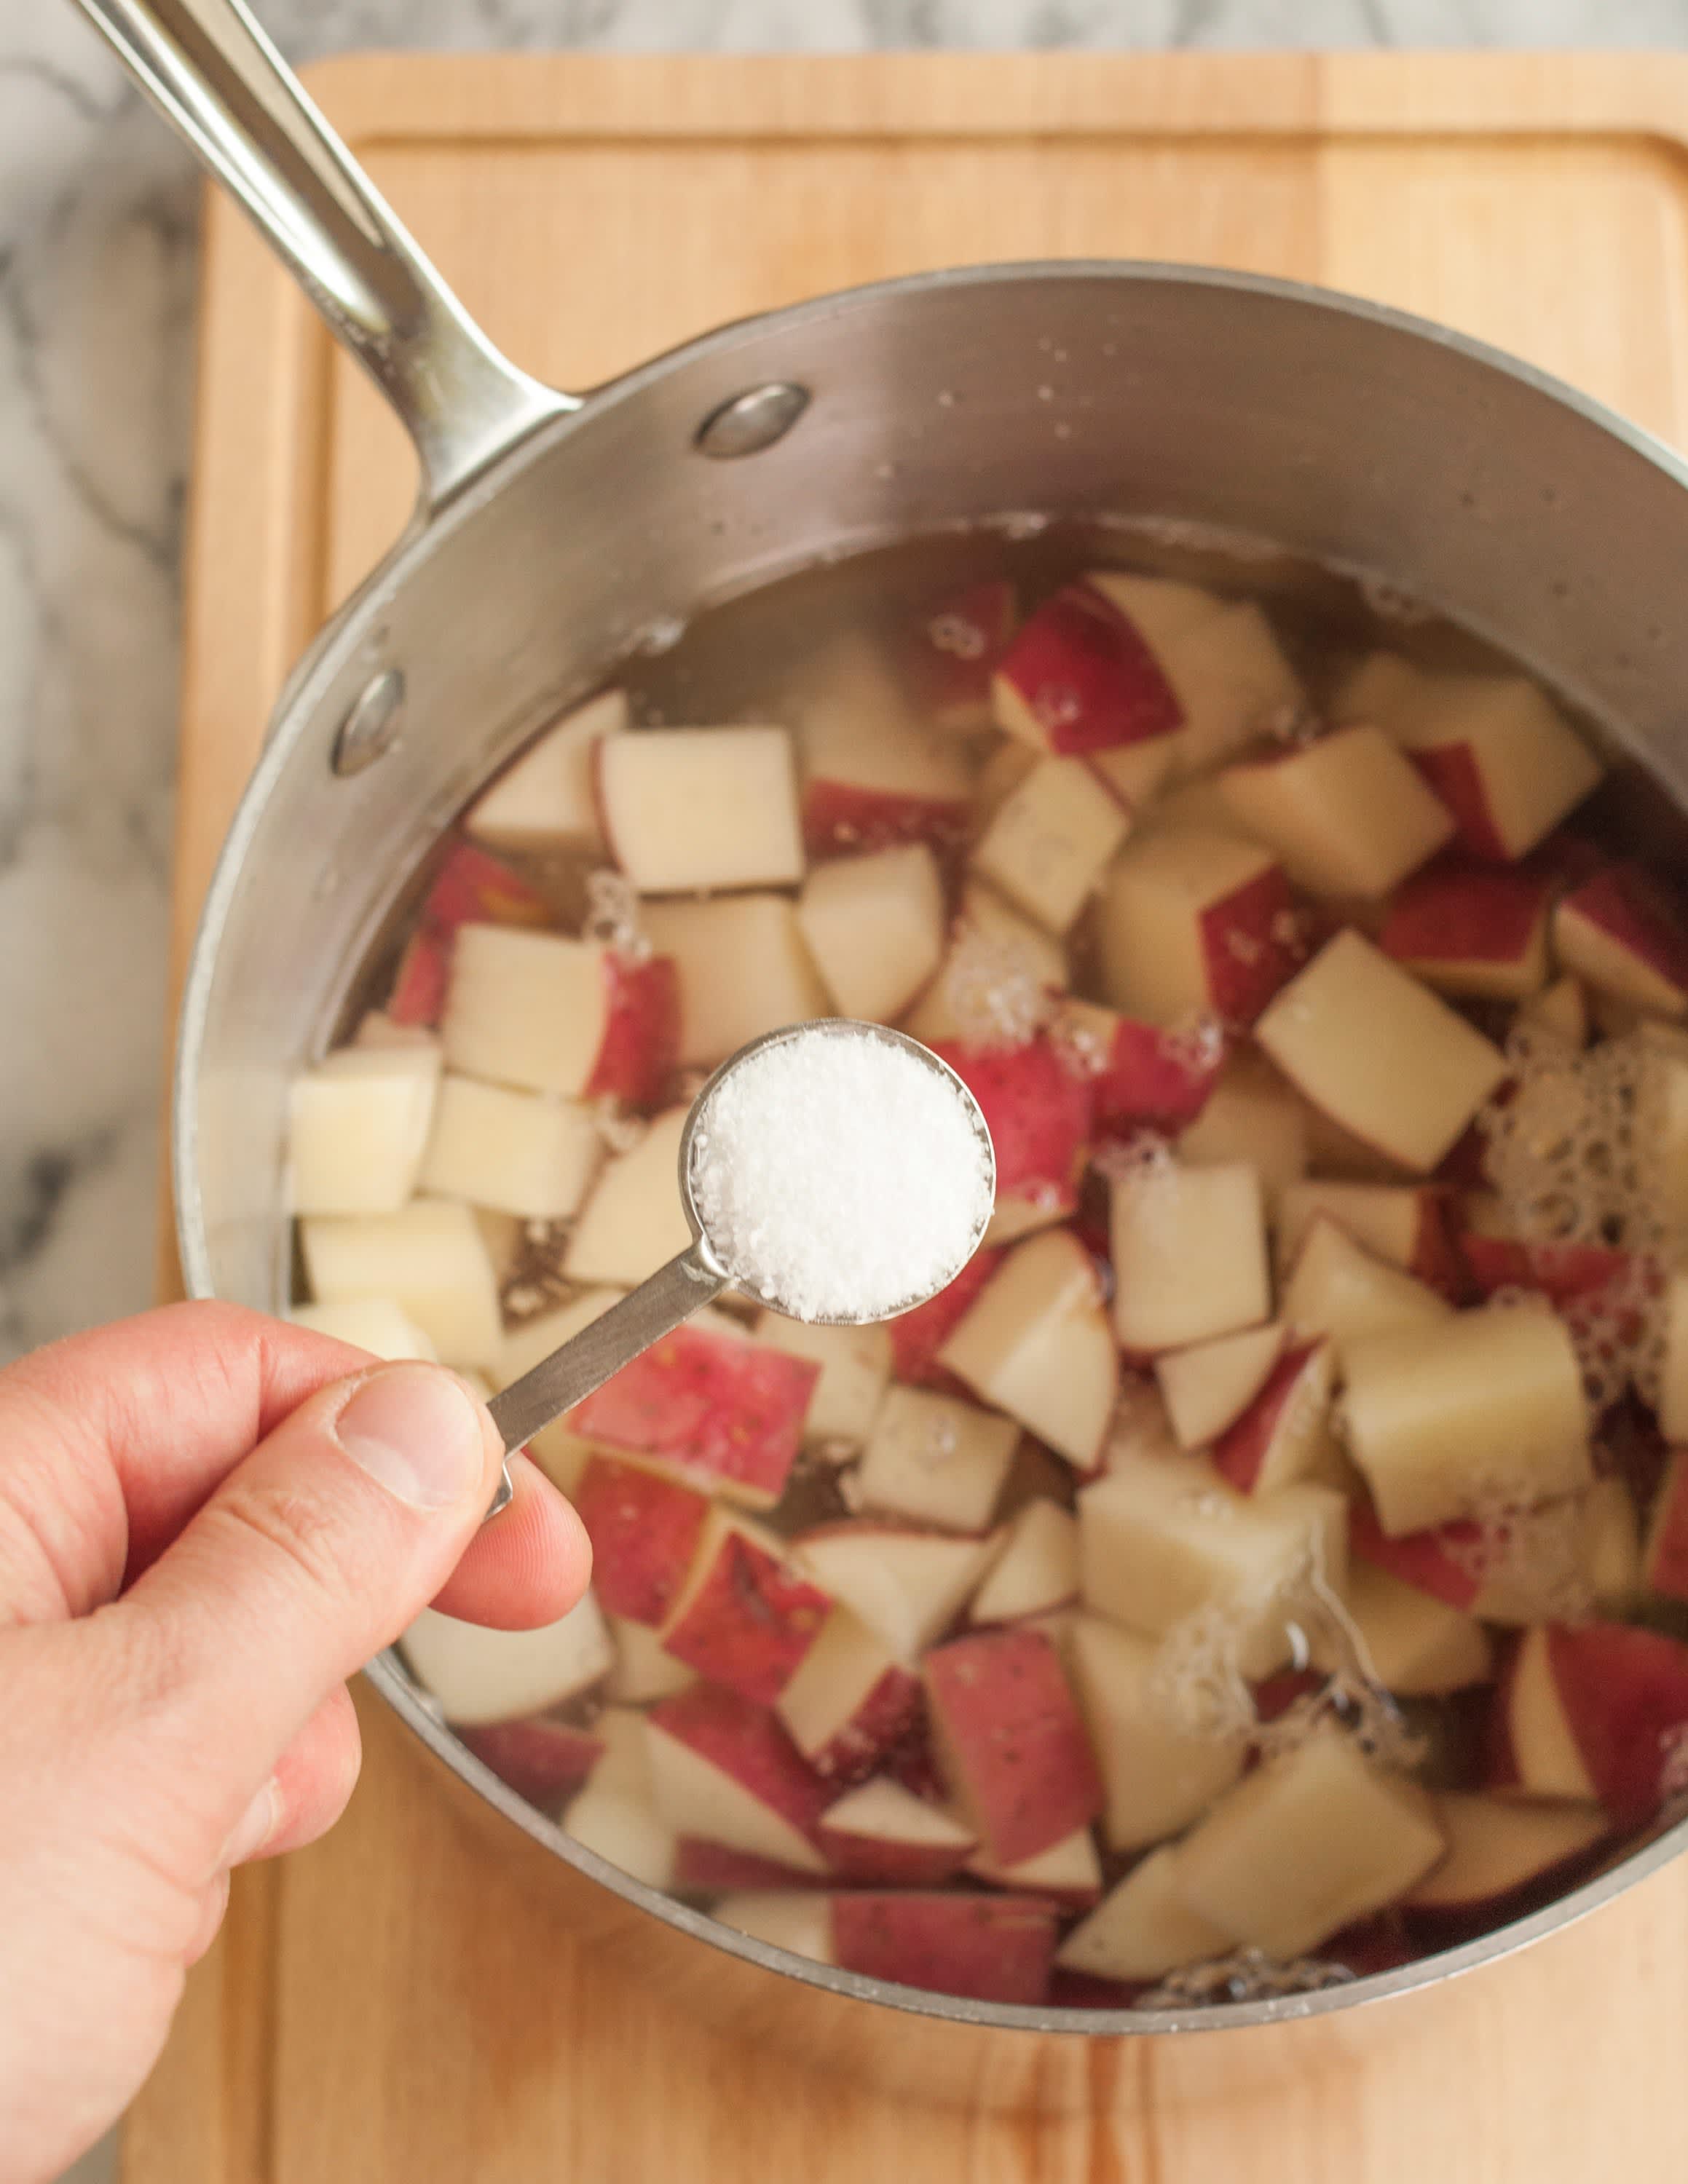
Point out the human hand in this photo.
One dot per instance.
(208, 1520)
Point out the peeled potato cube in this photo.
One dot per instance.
(360, 1123)
(1305, 1845)
(380, 1325)
(1378, 1053)
(545, 800)
(524, 1008)
(627, 1830)
(480, 1675)
(1452, 1417)
(430, 1258)
(1416, 1646)
(1162, 1536)
(525, 1153)
(1035, 1343)
(1189, 1255)
(687, 808)
(1339, 1290)
(1143, 1929)
(1048, 842)
(936, 1460)
(1344, 815)
(1252, 1115)
(1156, 1778)
(633, 1221)
(875, 928)
(742, 968)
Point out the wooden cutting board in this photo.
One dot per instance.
(410, 2002)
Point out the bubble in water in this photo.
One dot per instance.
(1046, 393)
(620, 1131)
(612, 915)
(946, 398)
(1063, 430)
(660, 636)
(1392, 603)
(1248, 1976)
(1020, 523)
(994, 986)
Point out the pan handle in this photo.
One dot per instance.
(213, 74)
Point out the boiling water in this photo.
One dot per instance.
(1563, 1155)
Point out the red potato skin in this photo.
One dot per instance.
(474, 888)
(1624, 1691)
(641, 1040)
(917, 1336)
(1038, 1113)
(1373, 1945)
(1626, 903)
(951, 651)
(992, 1948)
(716, 1408)
(889, 1716)
(750, 1623)
(422, 980)
(471, 887)
(1275, 1695)
(868, 1862)
(841, 818)
(1437, 1258)
(1562, 1272)
(1463, 1166)
(1253, 943)
(1568, 1274)
(1457, 911)
(1666, 1570)
(1240, 1452)
(1500, 1766)
(1088, 677)
(644, 1530)
(1152, 1079)
(1013, 1739)
(749, 1743)
(711, 1869)
(542, 1760)
(1453, 773)
(1422, 1559)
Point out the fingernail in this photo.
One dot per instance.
(416, 1432)
(255, 1826)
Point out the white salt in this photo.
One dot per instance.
(839, 1176)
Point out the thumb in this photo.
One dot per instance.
(312, 1556)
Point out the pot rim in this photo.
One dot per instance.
(346, 632)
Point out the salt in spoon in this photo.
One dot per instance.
(706, 1268)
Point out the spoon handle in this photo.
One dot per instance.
(589, 1358)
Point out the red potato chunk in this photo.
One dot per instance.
(992, 1948)
(1013, 1741)
(721, 1410)
(644, 1529)
(1079, 677)
(746, 1619)
(1037, 1110)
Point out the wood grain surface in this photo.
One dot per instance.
(417, 2001)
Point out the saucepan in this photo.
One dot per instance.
(552, 528)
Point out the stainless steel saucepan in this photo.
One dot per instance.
(553, 527)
